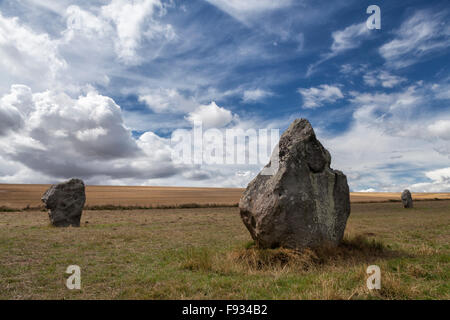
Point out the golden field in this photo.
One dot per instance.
(19, 196)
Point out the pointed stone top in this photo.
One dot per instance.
(299, 143)
(300, 129)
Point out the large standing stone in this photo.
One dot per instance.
(305, 203)
(407, 199)
(65, 202)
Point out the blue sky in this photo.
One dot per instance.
(95, 89)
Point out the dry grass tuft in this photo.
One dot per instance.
(251, 260)
(353, 249)
(392, 288)
(273, 259)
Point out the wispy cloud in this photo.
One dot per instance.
(343, 40)
(255, 95)
(394, 140)
(241, 10)
(348, 38)
(422, 34)
(382, 78)
(167, 101)
(318, 96)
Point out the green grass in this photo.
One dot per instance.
(206, 253)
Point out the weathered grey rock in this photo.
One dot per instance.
(305, 203)
(407, 199)
(65, 202)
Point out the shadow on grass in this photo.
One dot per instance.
(353, 250)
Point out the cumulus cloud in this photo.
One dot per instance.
(129, 31)
(211, 116)
(12, 107)
(424, 33)
(27, 56)
(112, 22)
(54, 136)
(62, 137)
(317, 96)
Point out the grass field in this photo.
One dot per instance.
(206, 253)
(20, 196)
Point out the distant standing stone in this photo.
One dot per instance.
(65, 202)
(407, 199)
(305, 203)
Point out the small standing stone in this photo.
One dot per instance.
(65, 202)
(407, 199)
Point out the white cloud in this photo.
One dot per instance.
(440, 175)
(167, 100)
(442, 90)
(241, 10)
(440, 182)
(60, 136)
(382, 78)
(255, 95)
(27, 56)
(353, 69)
(367, 190)
(112, 22)
(317, 96)
(91, 124)
(211, 116)
(251, 5)
(53, 136)
(343, 40)
(348, 38)
(440, 129)
(393, 141)
(82, 21)
(128, 18)
(11, 108)
(420, 35)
